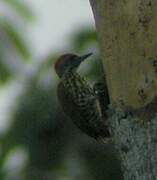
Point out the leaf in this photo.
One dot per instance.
(5, 73)
(21, 8)
(15, 38)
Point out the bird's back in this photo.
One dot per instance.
(80, 104)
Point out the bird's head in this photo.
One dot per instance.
(68, 62)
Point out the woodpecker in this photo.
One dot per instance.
(79, 101)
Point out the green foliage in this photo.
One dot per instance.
(13, 43)
(21, 8)
(4, 70)
(56, 149)
(51, 140)
(14, 38)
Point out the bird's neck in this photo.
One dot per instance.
(69, 75)
(69, 72)
(72, 78)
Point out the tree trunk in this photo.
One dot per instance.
(127, 32)
(136, 143)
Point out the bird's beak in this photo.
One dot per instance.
(83, 57)
(79, 60)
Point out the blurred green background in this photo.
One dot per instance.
(37, 141)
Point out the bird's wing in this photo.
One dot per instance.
(102, 96)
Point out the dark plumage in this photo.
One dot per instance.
(79, 101)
